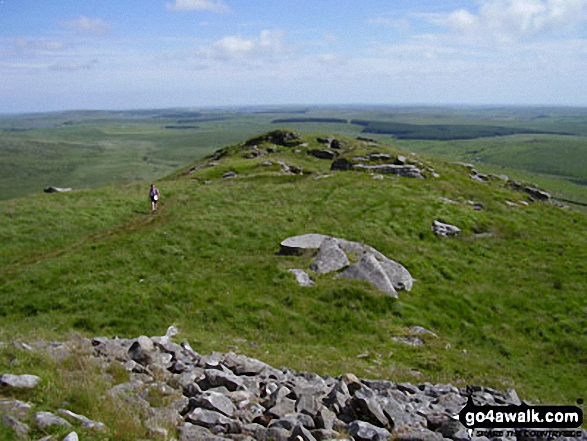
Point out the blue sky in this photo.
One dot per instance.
(107, 54)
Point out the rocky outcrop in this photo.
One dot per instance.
(335, 255)
(407, 171)
(223, 397)
(280, 137)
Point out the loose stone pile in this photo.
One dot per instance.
(225, 396)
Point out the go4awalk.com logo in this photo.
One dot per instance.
(510, 420)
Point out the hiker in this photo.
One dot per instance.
(154, 196)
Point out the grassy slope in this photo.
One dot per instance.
(97, 152)
(97, 262)
(89, 149)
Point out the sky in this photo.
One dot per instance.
(131, 54)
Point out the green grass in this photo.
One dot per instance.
(90, 149)
(208, 263)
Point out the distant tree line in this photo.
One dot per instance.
(440, 132)
(309, 120)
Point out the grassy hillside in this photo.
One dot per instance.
(509, 309)
(90, 149)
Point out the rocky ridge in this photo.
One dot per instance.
(227, 396)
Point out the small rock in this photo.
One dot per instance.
(142, 350)
(419, 330)
(363, 431)
(444, 230)
(56, 190)
(411, 341)
(323, 154)
(47, 419)
(71, 437)
(229, 175)
(302, 277)
(19, 381)
(207, 418)
(15, 408)
(20, 429)
(86, 422)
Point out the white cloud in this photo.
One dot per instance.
(217, 6)
(507, 21)
(267, 44)
(86, 26)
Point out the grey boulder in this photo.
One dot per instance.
(363, 431)
(19, 381)
(330, 257)
(369, 269)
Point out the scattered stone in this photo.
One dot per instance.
(400, 160)
(336, 144)
(15, 408)
(19, 381)
(367, 140)
(56, 189)
(323, 154)
(266, 163)
(85, 421)
(47, 419)
(419, 330)
(447, 200)
(20, 429)
(341, 164)
(229, 175)
(378, 177)
(411, 341)
(302, 277)
(71, 437)
(444, 230)
(536, 193)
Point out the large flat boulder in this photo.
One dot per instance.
(298, 244)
